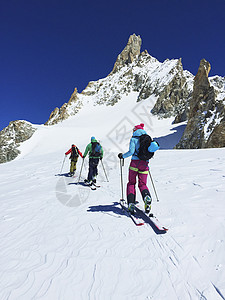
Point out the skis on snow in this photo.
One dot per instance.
(140, 218)
(137, 221)
(157, 223)
(151, 219)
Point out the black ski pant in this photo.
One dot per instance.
(93, 168)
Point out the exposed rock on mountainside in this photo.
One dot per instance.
(205, 127)
(11, 137)
(129, 54)
(217, 137)
(60, 114)
(175, 96)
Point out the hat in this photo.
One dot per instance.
(141, 126)
(93, 138)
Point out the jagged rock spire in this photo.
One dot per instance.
(129, 53)
(201, 87)
(203, 110)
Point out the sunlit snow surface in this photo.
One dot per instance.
(60, 240)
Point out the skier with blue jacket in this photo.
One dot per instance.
(138, 168)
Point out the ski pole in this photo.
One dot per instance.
(81, 170)
(121, 176)
(104, 171)
(63, 164)
(153, 186)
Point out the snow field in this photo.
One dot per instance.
(60, 240)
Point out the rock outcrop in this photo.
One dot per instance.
(67, 109)
(11, 137)
(205, 127)
(129, 53)
(217, 137)
(174, 99)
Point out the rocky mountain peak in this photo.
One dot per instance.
(201, 80)
(136, 71)
(129, 53)
(203, 94)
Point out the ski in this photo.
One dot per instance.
(157, 223)
(140, 218)
(93, 188)
(94, 184)
(135, 219)
(153, 220)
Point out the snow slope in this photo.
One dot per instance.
(60, 240)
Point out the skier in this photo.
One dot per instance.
(138, 168)
(75, 152)
(95, 151)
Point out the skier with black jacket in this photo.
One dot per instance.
(74, 154)
(95, 151)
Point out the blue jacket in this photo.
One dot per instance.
(135, 145)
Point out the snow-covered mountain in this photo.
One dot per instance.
(139, 76)
(60, 240)
(141, 73)
(175, 92)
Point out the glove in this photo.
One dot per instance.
(101, 158)
(120, 155)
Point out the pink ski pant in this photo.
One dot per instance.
(137, 168)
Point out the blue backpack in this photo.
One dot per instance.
(96, 149)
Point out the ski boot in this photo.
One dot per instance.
(131, 208)
(88, 182)
(148, 202)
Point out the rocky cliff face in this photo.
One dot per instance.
(174, 99)
(205, 127)
(11, 137)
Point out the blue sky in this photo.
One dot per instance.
(49, 47)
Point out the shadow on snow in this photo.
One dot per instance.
(116, 209)
(171, 140)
